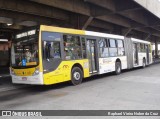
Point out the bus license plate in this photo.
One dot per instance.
(24, 78)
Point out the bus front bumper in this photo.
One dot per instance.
(36, 80)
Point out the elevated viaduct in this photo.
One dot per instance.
(131, 18)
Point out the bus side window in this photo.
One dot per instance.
(51, 45)
(120, 45)
(72, 47)
(52, 50)
(83, 47)
(142, 47)
(103, 48)
(112, 47)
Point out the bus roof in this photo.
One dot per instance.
(91, 33)
(62, 30)
(141, 41)
(80, 32)
(83, 32)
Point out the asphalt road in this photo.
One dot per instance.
(137, 89)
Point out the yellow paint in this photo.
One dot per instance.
(28, 63)
(63, 72)
(61, 30)
(40, 53)
(31, 63)
(24, 72)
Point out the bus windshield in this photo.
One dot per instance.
(25, 52)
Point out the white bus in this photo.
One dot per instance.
(118, 52)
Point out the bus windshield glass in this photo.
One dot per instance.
(24, 50)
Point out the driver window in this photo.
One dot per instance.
(51, 45)
(51, 50)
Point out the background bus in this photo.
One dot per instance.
(49, 55)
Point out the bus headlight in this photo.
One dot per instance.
(36, 72)
(12, 71)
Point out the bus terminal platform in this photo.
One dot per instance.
(7, 85)
(6, 82)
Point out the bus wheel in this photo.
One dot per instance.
(117, 68)
(76, 76)
(144, 63)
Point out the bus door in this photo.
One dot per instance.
(135, 53)
(147, 54)
(91, 53)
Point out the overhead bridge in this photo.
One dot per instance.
(130, 18)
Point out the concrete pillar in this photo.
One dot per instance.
(9, 52)
(156, 49)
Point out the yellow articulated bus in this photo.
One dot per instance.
(49, 55)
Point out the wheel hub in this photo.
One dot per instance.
(76, 75)
(144, 64)
(118, 69)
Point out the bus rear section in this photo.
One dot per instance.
(138, 53)
(109, 53)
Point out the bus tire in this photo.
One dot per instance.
(76, 76)
(144, 63)
(117, 68)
